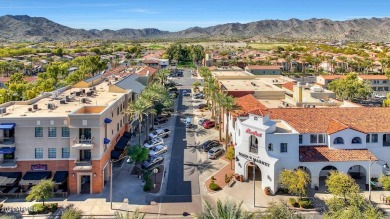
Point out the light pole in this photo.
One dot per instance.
(155, 171)
(111, 164)
(254, 184)
(370, 163)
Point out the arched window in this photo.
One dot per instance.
(338, 140)
(253, 144)
(270, 147)
(356, 140)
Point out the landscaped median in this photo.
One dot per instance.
(221, 178)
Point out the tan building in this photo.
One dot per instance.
(68, 134)
(263, 70)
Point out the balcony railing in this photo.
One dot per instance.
(82, 165)
(8, 141)
(83, 143)
(8, 163)
(254, 149)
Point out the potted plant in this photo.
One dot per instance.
(267, 190)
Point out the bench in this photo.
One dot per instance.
(231, 182)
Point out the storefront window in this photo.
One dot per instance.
(253, 144)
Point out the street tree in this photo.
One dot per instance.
(296, 181)
(350, 88)
(224, 210)
(279, 210)
(138, 153)
(342, 185)
(42, 191)
(230, 155)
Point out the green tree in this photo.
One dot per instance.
(350, 88)
(163, 75)
(135, 215)
(228, 104)
(342, 185)
(71, 213)
(226, 210)
(279, 210)
(137, 109)
(385, 181)
(296, 181)
(196, 85)
(138, 153)
(42, 191)
(230, 155)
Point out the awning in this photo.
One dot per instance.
(115, 155)
(9, 178)
(106, 141)
(127, 134)
(34, 177)
(7, 125)
(107, 120)
(7, 150)
(60, 177)
(122, 143)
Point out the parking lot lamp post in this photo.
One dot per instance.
(155, 171)
(111, 164)
(254, 184)
(370, 163)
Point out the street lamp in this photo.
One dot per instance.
(369, 174)
(111, 164)
(254, 184)
(155, 171)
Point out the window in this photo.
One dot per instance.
(65, 152)
(338, 140)
(386, 140)
(300, 139)
(372, 138)
(317, 138)
(270, 147)
(52, 153)
(253, 144)
(283, 147)
(52, 132)
(65, 132)
(38, 132)
(117, 127)
(356, 140)
(117, 111)
(38, 153)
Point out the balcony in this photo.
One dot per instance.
(7, 142)
(83, 143)
(82, 165)
(8, 163)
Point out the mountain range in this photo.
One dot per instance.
(38, 29)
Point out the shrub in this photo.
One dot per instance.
(388, 198)
(305, 203)
(228, 178)
(385, 181)
(71, 213)
(38, 209)
(212, 178)
(214, 186)
(148, 183)
(292, 202)
(52, 207)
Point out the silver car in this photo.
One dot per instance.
(214, 153)
(158, 150)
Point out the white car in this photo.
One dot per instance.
(158, 150)
(380, 96)
(154, 142)
(163, 133)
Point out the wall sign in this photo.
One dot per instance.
(254, 159)
(39, 167)
(255, 133)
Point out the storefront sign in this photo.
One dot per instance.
(255, 133)
(39, 167)
(254, 159)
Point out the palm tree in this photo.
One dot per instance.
(163, 75)
(137, 109)
(135, 215)
(219, 98)
(228, 104)
(227, 210)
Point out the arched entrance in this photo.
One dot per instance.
(250, 166)
(359, 173)
(324, 173)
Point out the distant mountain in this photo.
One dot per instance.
(38, 29)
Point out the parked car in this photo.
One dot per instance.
(160, 120)
(380, 96)
(152, 161)
(163, 133)
(201, 121)
(201, 106)
(207, 145)
(185, 93)
(214, 153)
(198, 96)
(154, 142)
(178, 84)
(158, 150)
(208, 124)
(165, 114)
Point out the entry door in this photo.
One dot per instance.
(85, 186)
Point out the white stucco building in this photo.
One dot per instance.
(314, 139)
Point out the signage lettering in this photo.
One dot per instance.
(255, 133)
(39, 167)
(254, 159)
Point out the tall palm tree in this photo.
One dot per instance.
(219, 98)
(228, 104)
(163, 75)
(227, 210)
(137, 109)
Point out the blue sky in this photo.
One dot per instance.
(174, 15)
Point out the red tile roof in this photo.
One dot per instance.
(144, 71)
(332, 77)
(325, 154)
(261, 67)
(248, 104)
(336, 126)
(289, 85)
(373, 77)
(317, 120)
(152, 61)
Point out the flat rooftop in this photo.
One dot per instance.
(248, 85)
(94, 104)
(230, 73)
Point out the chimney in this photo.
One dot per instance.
(147, 73)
